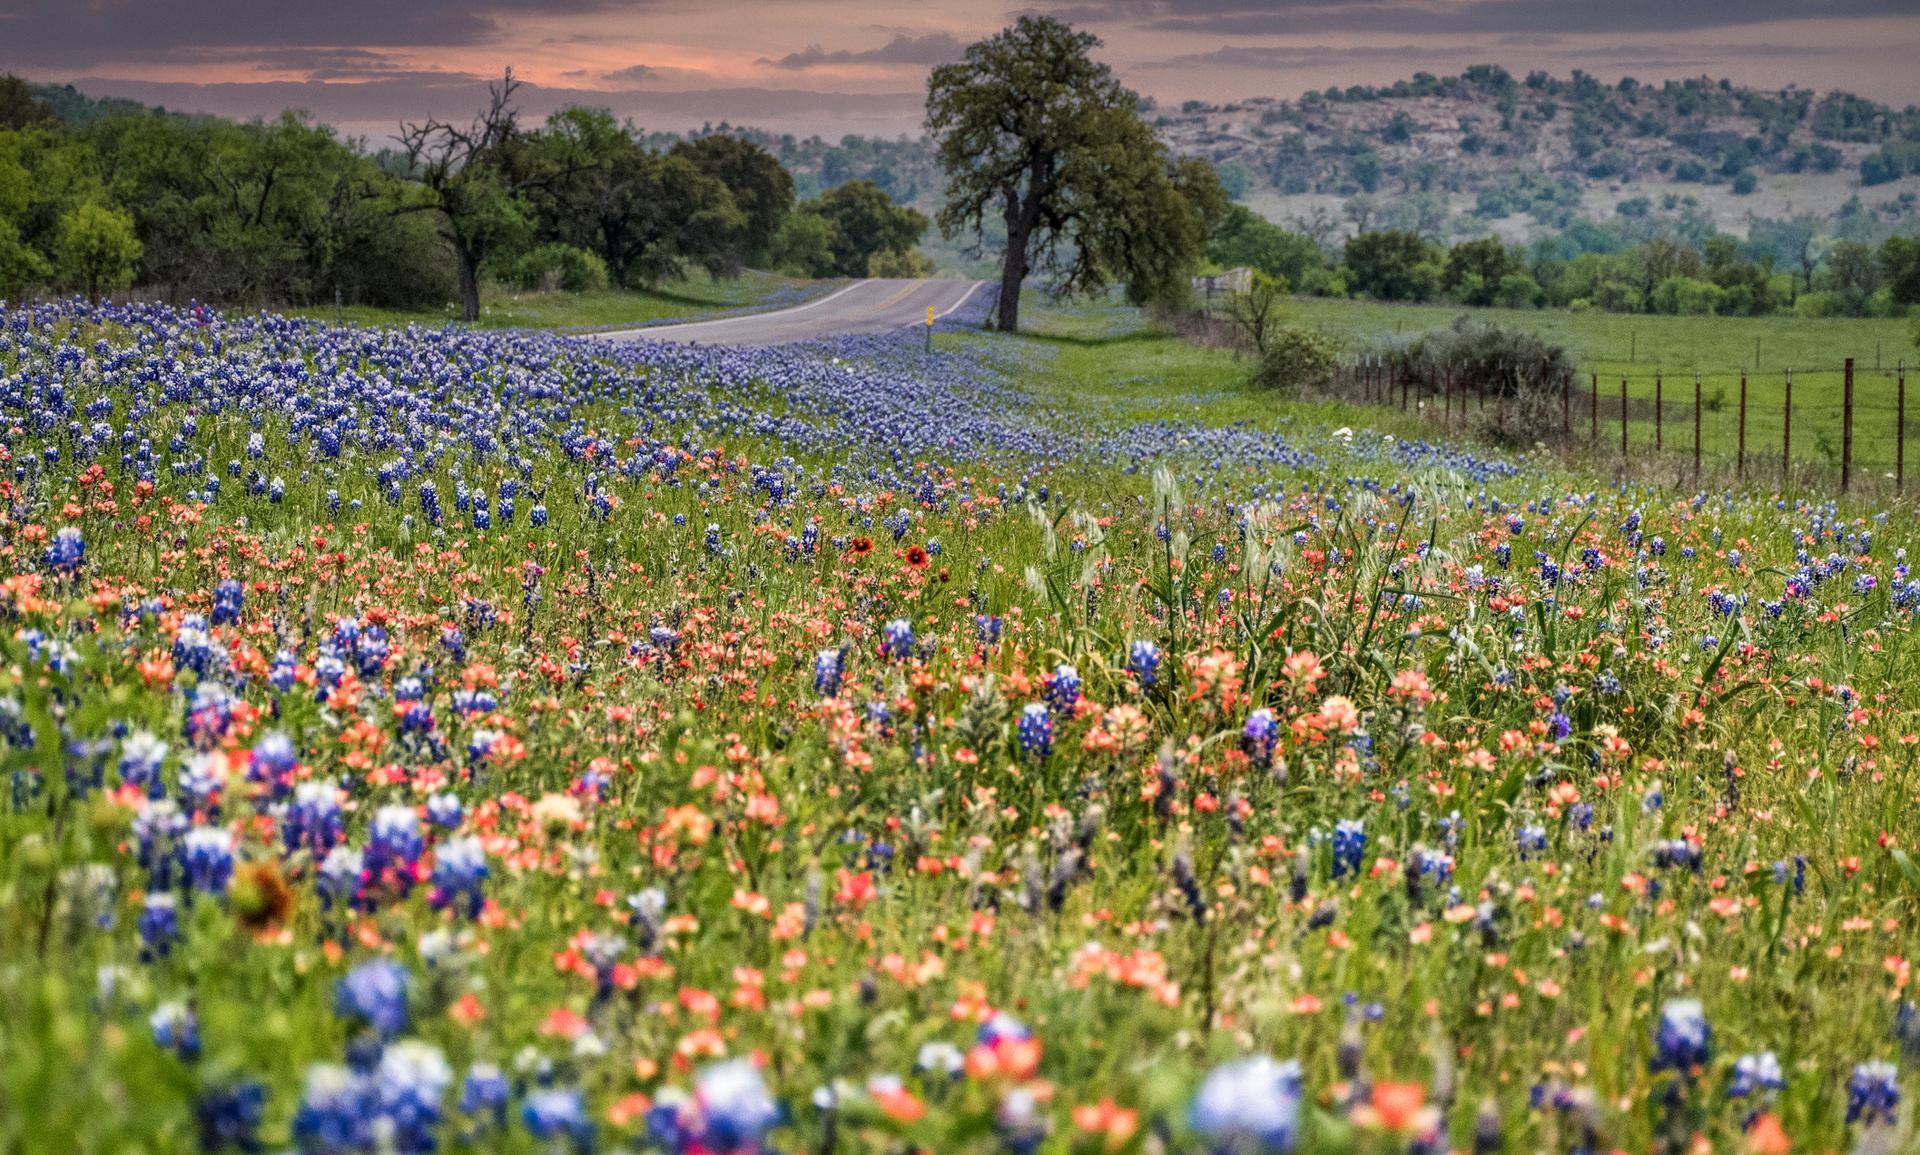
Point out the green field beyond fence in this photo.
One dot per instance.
(1659, 358)
(1760, 424)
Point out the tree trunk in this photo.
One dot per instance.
(1013, 271)
(469, 270)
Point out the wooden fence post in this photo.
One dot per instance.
(1846, 429)
(1623, 415)
(1696, 425)
(1593, 416)
(1743, 425)
(1786, 434)
(1900, 433)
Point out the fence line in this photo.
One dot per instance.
(1862, 410)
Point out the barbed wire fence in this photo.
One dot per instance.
(1801, 424)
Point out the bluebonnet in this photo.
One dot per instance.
(554, 1112)
(1530, 841)
(1349, 846)
(896, 639)
(313, 820)
(67, 552)
(176, 1028)
(1260, 736)
(141, 757)
(159, 924)
(1249, 1105)
(1873, 1093)
(336, 1113)
(1021, 1122)
(394, 841)
(1143, 662)
(206, 856)
(445, 810)
(459, 869)
(228, 599)
(1682, 1040)
(1063, 689)
(829, 666)
(1757, 1072)
(736, 1109)
(272, 764)
(1035, 730)
(485, 1091)
(375, 993)
(229, 1115)
(412, 1085)
(1677, 852)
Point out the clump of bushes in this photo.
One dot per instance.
(1296, 358)
(556, 266)
(1520, 374)
(1285, 357)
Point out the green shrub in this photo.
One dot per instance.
(1819, 303)
(557, 266)
(1519, 291)
(1297, 359)
(1688, 297)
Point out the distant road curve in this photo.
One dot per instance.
(875, 305)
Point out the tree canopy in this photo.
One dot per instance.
(1031, 128)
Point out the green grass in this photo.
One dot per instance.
(1102, 361)
(500, 308)
(1640, 348)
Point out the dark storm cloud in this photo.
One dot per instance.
(1474, 17)
(934, 48)
(42, 34)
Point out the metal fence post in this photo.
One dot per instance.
(1696, 425)
(1743, 425)
(1846, 429)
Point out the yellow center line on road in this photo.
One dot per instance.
(896, 298)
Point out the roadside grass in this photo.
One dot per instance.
(1105, 361)
(698, 296)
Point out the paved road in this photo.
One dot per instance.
(870, 306)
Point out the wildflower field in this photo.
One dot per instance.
(450, 740)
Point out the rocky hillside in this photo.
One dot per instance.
(1489, 150)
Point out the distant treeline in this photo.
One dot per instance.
(101, 196)
(1782, 266)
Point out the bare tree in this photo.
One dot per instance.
(464, 178)
(1256, 312)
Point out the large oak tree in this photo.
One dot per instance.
(1030, 127)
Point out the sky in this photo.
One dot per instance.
(854, 66)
